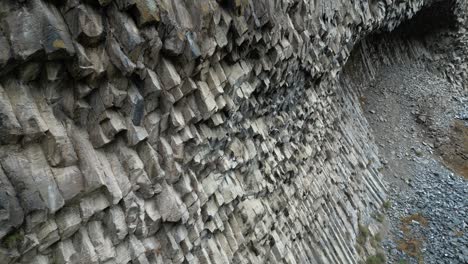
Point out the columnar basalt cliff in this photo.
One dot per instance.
(171, 131)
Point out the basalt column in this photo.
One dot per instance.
(172, 131)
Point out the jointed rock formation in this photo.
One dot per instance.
(171, 131)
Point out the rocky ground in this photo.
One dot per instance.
(420, 124)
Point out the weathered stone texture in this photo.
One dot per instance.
(170, 131)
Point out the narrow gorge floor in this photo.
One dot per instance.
(420, 123)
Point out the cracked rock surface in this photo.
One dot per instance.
(171, 131)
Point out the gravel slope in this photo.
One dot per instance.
(414, 115)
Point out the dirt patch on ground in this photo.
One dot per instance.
(418, 120)
(412, 242)
(455, 154)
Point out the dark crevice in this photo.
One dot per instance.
(438, 17)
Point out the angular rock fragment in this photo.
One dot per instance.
(40, 259)
(25, 109)
(135, 134)
(115, 222)
(27, 44)
(38, 27)
(188, 86)
(193, 46)
(173, 252)
(35, 219)
(122, 253)
(135, 169)
(132, 206)
(92, 204)
(151, 160)
(119, 172)
(112, 95)
(56, 38)
(113, 124)
(11, 213)
(177, 118)
(173, 42)
(57, 145)
(137, 250)
(81, 113)
(84, 247)
(97, 136)
(91, 170)
(118, 57)
(152, 84)
(168, 74)
(235, 74)
(65, 252)
(134, 106)
(68, 221)
(206, 100)
(170, 206)
(91, 62)
(85, 24)
(152, 217)
(176, 92)
(30, 173)
(47, 234)
(69, 181)
(152, 89)
(101, 242)
(5, 52)
(153, 47)
(113, 188)
(182, 15)
(214, 83)
(10, 129)
(147, 11)
(127, 33)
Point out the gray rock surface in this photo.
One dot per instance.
(170, 131)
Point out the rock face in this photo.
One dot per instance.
(170, 131)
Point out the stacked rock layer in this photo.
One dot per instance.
(171, 131)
